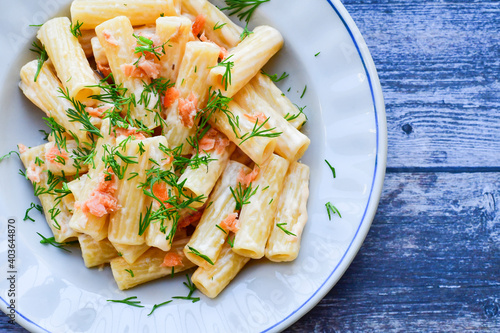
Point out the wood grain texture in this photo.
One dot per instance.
(438, 63)
(430, 262)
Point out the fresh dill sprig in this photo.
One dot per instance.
(114, 94)
(288, 232)
(241, 7)
(218, 102)
(52, 241)
(201, 255)
(57, 131)
(58, 188)
(42, 57)
(111, 156)
(304, 92)
(218, 26)
(317, 54)
(32, 205)
(156, 306)
(39, 162)
(242, 196)
(290, 117)
(245, 33)
(78, 114)
(275, 77)
(84, 155)
(222, 229)
(259, 131)
(331, 168)
(146, 46)
(192, 288)
(169, 210)
(230, 241)
(8, 155)
(131, 272)
(226, 77)
(129, 301)
(157, 88)
(331, 209)
(75, 29)
(45, 134)
(145, 221)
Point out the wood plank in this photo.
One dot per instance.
(431, 261)
(438, 65)
(5, 326)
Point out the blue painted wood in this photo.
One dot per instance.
(438, 65)
(431, 261)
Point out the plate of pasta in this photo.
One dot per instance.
(184, 165)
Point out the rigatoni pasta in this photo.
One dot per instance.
(209, 236)
(246, 59)
(212, 280)
(170, 150)
(68, 57)
(291, 215)
(94, 12)
(256, 217)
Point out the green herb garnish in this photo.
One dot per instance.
(274, 77)
(332, 209)
(42, 57)
(52, 241)
(331, 168)
(242, 196)
(128, 301)
(75, 30)
(204, 257)
(241, 7)
(32, 205)
(281, 226)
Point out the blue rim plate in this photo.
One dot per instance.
(323, 51)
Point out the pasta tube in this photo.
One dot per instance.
(94, 12)
(94, 252)
(124, 224)
(44, 94)
(256, 218)
(130, 252)
(291, 144)
(56, 213)
(208, 239)
(201, 180)
(258, 148)
(239, 156)
(228, 36)
(76, 187)
(212, 280)
(83, 220)
(192, 87)
(85, 41)
(156, 232)
(118, 42)
(267, 90)
(60, 161)
(176, 31)
(246, 59)
(69, 59)
(291, 215)
(150, 266)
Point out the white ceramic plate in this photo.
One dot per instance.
(56, 293)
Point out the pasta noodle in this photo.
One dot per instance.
(169, 150)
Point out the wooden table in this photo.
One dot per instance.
(431, 261)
